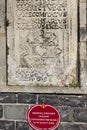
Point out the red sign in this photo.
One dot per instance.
(43, 117)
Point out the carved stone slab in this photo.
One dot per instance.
(42, 42)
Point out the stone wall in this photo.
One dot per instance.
(16, 100)
(80, 66)
(13, 108)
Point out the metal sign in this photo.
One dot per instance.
(43, 117)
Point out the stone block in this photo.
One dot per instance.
(27, 98)
(41, 39)
(80, 115)
(1, 111)
(22, 126)
(62, 100)
(48, 99)
(72, 126)
(7, 125)
(16, 112)
(66, 114)
(8, 97)
(70, 100)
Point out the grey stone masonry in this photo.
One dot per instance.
(1, 111)
(80, 115)
(72, 108)
(8, 98)
(15, 112)
(75, 72)
(72, 126)
(7, 125)
(27, 98)
(65, 100)
(71, 101)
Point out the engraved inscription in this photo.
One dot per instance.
(41, 48)
(43, 14)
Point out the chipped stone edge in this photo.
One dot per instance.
(38, 89)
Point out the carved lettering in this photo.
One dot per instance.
(54, 13)
(42, 42)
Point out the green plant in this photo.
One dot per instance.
(74, 84)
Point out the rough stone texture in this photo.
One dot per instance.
(2, 43)
(72, 126)
(82, 56)
(22, 126)
(1, 111)
(83, 65)
(66, 113)
(8, 98)
(80, 115)
(38, 89)
(48, 99)
(7, 125)
(27, 98)
(41, 40)
(13, 106)
(72, 108)
(83, 43)
(73, 101)
(83, 21)
(16, 112)
(66, 100)
(63, 126)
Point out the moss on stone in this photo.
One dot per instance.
(7, 22)
(74, 84)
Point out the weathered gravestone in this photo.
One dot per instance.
(42, 42)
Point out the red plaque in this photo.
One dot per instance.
(43, 117)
